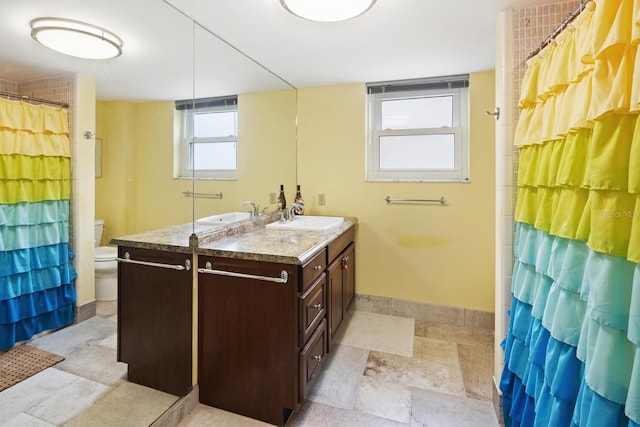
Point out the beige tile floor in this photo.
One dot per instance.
(383, 371)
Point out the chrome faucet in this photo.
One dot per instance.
(291, 210)
(255, 206)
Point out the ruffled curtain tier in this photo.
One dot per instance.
(34, 213)
(36, 119)
(572, 352)
(37, 277)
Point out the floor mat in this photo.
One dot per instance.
(23, 361)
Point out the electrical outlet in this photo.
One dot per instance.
(272, 198)
(322, 199)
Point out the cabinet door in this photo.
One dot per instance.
(154, 320)
(348, 276)
(248, 339)
(336, 313)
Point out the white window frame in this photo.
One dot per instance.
(184, 169)
(459, 128)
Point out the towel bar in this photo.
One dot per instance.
(284, 276)
(441, 200)
(211, 195)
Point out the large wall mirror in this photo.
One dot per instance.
(172, 51)
(138, 190)
(266, 131)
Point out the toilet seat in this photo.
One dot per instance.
(105, 253)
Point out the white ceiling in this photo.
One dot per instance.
(251, 45)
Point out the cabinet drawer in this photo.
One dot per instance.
(312, 358)
(312, 308)
(313, 269)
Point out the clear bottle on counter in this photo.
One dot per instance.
(300, 201)
(282, 200)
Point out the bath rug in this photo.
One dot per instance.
(23, 361)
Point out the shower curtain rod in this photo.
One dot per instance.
(569, 19)
(40, 100)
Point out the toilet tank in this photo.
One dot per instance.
(97, 235)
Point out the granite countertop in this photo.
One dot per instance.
(248, 239)
(271, 245)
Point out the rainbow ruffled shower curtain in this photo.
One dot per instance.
(36, 276)
(572, 352)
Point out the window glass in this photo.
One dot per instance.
(214, 124)
(417, 152)
(214, 155)
(414, 113)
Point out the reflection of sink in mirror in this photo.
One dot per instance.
(308, 223)
(225, 218)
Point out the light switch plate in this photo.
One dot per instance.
(322, 199)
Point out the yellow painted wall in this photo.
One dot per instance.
(418, 252)
(423, 253)
(115, 125)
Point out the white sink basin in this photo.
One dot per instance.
(308, 223)
(225, 218)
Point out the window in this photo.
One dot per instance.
(209, 138)
(418, 130)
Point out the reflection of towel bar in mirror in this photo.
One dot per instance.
(441, 200)
(210, 195)
(127, 259)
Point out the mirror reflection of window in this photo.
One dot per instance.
(209, 138)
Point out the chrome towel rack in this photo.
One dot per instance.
(284, 276)
(126, 259)
(209, 195)
(441, 200)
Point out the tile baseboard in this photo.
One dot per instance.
(179, 410)
(85, 311)
(456, 316)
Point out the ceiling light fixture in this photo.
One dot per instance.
(76, 38)
(327, 10)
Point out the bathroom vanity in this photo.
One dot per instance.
(269, 301)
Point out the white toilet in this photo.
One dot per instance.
(106, 267)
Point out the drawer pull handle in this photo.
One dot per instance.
(317, 268)
(126, 259)
(284, 276)
(318, 306)
(318, 357)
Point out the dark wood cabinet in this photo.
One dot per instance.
(261, 344)
(155, 319)
(348, 276)
(341, 281)
(336, 296)
(264, 328)
(248, 338)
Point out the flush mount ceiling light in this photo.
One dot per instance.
(76, 38)
(327, 10)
